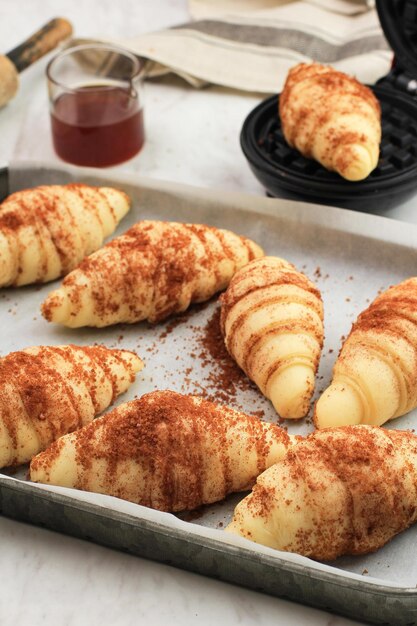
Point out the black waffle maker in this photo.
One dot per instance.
(284, 172)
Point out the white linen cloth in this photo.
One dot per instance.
(251, 44)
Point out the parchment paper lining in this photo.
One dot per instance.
(350, 256)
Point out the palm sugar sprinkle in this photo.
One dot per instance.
(227, 379)
(318, 275)
(181, 319)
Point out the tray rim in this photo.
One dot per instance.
(348, 220)
(248, 552)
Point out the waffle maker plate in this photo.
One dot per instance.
(284, 172)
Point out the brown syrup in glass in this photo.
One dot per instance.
(97, 126)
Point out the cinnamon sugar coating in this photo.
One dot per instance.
(272, 323)
(375, 376)
(48, 391)
(340, 491)
(152, 271)
(332, 118)
(46, 231)
(167, 451)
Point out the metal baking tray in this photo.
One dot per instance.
(351, 257)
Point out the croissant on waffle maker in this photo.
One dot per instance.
(165, 450)
(340, 491)
(272, 323)
(375, 375)
(153, 270)
(332, 118)
(46, 231)
(48, 391)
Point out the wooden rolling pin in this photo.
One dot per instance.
(18, 59)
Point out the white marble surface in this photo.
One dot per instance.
(192, 137)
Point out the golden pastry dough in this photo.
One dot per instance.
(48, 391)
(165, 450)
(375, 376)
(340, 491)
(153, 270)
(46, 231)
(332, 118)
(272, 322)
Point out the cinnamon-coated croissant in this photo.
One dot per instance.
(165, 450)
(46, 231)
(272, 322)
(340, 491)
(375, 375)
(332, 118)
(151, 271)
(48, 391)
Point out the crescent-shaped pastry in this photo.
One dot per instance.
(153, 270)
(340, 491)
(166, 451)
(375, 375)
(272, 322)
(48, 391)
(46, 231)
(332, 118)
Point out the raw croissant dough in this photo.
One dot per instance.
(45, 232)
(333, 118)
(272, 322)
(375, 376)
(340, 491)
(151, 271)
(166, 451)
(48, 391)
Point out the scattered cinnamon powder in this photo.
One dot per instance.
(181, 319)
(226, 380)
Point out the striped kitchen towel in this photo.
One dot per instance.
(253, 48)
